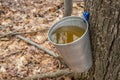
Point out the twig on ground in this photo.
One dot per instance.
(8, 33)
(8, 55)
(55, 55)
(18, 33)
(38, 46)
(51, 74)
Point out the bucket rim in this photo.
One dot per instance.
(65, 18)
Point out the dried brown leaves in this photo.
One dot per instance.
(17, 58)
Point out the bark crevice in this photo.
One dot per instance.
(105, 38)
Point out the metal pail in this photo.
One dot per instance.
(76, 54)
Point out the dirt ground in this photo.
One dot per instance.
(17, 58)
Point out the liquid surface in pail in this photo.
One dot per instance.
(67, 34)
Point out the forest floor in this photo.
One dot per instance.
(19, 59)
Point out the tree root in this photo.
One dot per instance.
(50, 74)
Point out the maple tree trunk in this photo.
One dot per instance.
(105, 39)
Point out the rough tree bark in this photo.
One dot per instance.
(105, 39)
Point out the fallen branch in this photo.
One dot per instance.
(11, 33)
(55, 55)
(8, 33)
(51, 74)
(8, 55)
(38, 46)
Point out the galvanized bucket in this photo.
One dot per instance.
(76, 54)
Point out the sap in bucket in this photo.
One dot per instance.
(76, 52)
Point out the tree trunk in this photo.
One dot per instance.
(105, 39)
